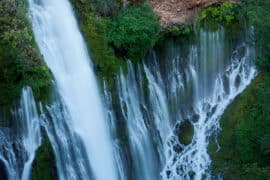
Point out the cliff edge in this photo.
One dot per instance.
(179, 12)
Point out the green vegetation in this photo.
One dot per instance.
(20, 61)
(176, 31)
(225, 14)
(128, 34)
(94, 29)
(44, 164)
(105, 7)
(134, 31)
(244, 139)
(258, 13)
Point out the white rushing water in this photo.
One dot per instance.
(64, 51)
(70, 156)
(28, 122)
(132, 106)
(18, 146)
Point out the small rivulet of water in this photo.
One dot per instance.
(18, 144)
(178, 85)
(80, 112)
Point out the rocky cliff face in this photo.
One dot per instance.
(179, 12)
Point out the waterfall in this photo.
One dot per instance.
(28, 122)
(64, 51)
(19, 144)
(71, 158)
(133, 106)
(180, 84)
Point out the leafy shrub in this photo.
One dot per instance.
(224, 14)
(20, 61)
(134, 30)
(258, 13)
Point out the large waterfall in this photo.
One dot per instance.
(179, 84)
(64, 51)
(156, 124)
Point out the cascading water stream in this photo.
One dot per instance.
(27, 119)
(18, 146)
(142, 150)
(61, 43)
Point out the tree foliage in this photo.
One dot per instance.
(258, 13)
(20, 61)
(134, 30)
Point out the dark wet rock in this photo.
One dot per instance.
(177, 148)
(3, 172)
(191, 174)
(212, 111)
(195, 118)
(168, 173)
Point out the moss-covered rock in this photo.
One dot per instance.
(185, 132)
(44, 165)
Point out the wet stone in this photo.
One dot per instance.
(3, 172)
(177, 148)
(191, 174)
(168, 173)
(195, 118)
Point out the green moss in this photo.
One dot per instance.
(244, 124)
(21, 63)
(225, 14)
(44, 165)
